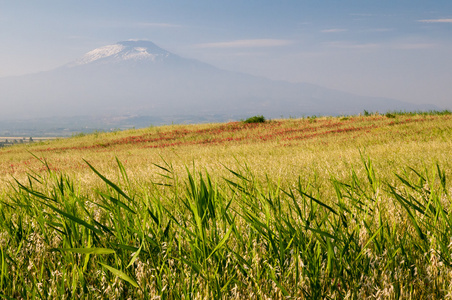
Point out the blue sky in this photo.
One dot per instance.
(400, 49)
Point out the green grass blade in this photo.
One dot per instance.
(114, 186)
(318, 202)
(135, 256)
(322, 233)
(368, 242)
(237, 174)
(120, 274)
(163, 168)
(410, 214)
(276, 281)
(75, 219)
(117, 202)
(123, 171)
(221, 243)
(88, 250)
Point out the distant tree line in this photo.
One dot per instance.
(10, 142)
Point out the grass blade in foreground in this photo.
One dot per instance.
(120, 274)
(88, 250)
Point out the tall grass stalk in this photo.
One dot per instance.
(190, 236)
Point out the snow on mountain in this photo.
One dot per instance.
(123, 51)
(100, 53)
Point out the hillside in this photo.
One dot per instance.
(287, 142)
(329, 207)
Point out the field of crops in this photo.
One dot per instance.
(335, 207)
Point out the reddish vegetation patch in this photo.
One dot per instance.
(246, 133)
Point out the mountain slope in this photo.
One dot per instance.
(138, 77)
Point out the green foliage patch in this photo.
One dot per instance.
(198, 238)
(255, 119)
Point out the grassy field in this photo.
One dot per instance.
(332, 207)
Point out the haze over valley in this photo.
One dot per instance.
(137, 84)
(69, 68)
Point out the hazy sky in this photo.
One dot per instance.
(394, 48)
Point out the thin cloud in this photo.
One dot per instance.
(379, 30)
(78, 37)
(414, 46)
(384, 46)
(247, 43)
(436, 21)
(362, 15)
(157, 25)
(120, 24)
(346, 45)
(333, 30)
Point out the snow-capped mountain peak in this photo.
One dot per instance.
(124, 51)
(100, 53)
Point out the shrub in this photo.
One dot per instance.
(255, 119)
(312, 119)
(74, 135)
(389, 115)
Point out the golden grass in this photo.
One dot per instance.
(323, 145)
(316, 150)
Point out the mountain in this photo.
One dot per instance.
(127, 51)
(140, 79)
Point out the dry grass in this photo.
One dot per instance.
(314, 208)
(281, 148)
